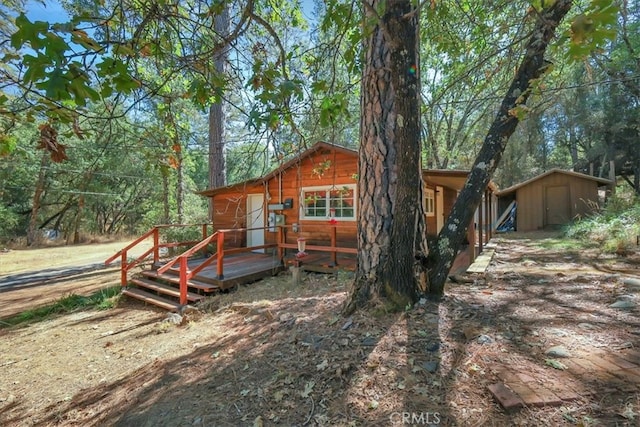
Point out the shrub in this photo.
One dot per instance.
(615, 228)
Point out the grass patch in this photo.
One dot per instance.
(614, 229)
(565, 244)
(101, 300)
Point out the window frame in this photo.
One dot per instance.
(328, 189)
(430, 202)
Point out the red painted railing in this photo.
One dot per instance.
(218, 255)
(126, 266)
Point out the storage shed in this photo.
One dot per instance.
(552, 199)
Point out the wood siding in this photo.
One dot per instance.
(536, 198)
(230, 212)
(320, 168)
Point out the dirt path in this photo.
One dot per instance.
(35, 277)
(274, 354)
(28, 260)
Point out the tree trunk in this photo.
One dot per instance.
(636, 177)
(532, 67)
(33, 237)
(573, 147)
(391, 221)
(78, 220)
(216, 116)
(165, 196)
(180, 189)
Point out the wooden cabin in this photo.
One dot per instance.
(553, 199)
(315, 191)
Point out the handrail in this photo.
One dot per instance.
(155, 249)
(137, 261)
(130, 245)
(188, 252)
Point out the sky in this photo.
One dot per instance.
(51, 12)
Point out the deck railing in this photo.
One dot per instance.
(217, 238)
(126, 266)
(333, 247)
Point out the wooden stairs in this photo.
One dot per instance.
(163, 290)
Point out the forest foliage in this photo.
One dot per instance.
(103, 119)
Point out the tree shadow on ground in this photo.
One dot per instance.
(292, 359)
(289, 361)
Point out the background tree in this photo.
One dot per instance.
(527, 78)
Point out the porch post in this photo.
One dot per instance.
(280, 243)
(334, 254)
(220, 259)
(156, 243)
(471, 237)
(123, 269)
(480, 226)
(490, 207)
(488, 215)
(183, 280)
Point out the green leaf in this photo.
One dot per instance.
(8, 143)
(56, 85)
(81, 38)
(55, 47)
(28, 32)
(555, 364)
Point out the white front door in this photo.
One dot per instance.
(255, 220)
(439, 208)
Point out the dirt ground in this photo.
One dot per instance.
(41, 276)
(275, 354)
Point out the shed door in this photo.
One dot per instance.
(255, 219)
(557, 205)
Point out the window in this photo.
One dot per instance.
(430, 202)
(327, 202)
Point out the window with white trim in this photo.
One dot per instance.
(327, 202)
(430, 202)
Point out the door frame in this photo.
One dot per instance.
(557, 204)
(255, 218)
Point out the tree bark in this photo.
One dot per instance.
(216, 116)
(180, 188)
(33, 237)
(166, 206)
(391, 221)
(531, 67)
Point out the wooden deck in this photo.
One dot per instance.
(175, 283)
(163, 289)
(239, 269)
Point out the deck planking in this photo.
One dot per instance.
(238, 269)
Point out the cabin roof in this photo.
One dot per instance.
(453, 178)
(284, 166)
(601, 181)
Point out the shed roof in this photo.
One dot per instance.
(601, 181)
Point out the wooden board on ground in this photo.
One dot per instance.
(482, 262)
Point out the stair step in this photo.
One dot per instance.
(152, 299)
(196, 284)
(164, 289)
